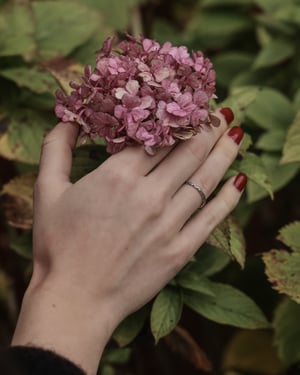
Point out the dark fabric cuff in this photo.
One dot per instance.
(23, 360)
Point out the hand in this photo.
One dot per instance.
(107, 244)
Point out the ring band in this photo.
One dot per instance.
(199, 190)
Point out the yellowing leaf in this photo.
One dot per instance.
(291, 148)
(282, 269)
(228, 236)
(18, 201)
(65, 71)
(24, 135)
(290, 235)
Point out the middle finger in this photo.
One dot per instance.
(185, 159)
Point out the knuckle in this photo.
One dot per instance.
(196, 150)
(154, 205)
(120, 177)
(151, 204)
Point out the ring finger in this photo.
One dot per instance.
(187, 199)
(186, 158)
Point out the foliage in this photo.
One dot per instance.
(254, 47)
(282, 266)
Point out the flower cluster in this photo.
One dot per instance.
(141, 93)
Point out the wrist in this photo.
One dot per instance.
(55, 318)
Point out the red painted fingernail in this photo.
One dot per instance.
(236, 133)
(228, 114)
(240, 181)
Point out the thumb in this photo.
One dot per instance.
(56, 153)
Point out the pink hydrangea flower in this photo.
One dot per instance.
(142, 94)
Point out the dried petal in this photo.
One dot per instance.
(142, 93)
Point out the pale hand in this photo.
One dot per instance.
(105, 245)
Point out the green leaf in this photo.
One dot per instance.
(223, 23)
(107, 370)
(116, 356)
(33, 78)
(117, 14)
(297, 100)
(279, 176)
(291, 148)
(289, 13)
(271, 140)
(290, 235)
(21, 242)
(86, 53)
(287, 332)
(274, 53)
(86, 159)
(166, 312)
(127, 331)
(23, 139)
(195, 281)
(282, 269)
(256, 171)
(63, 25)
(245, 145)
(209, 261)
(228, 236)
(239, 100)
(269, 5)
(17, 30)
(228, 306)
(212, 3)
(271, 110)
(229, 64)
(276, 26)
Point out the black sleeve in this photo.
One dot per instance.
(21, 360)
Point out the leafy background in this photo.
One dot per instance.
(235, 309)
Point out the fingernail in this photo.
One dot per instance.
(228, 114)
(236, 133)
(240, 181)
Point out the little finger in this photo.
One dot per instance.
(199, 227)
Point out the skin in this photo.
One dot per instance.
(106, 245)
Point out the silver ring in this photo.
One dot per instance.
(199, 190)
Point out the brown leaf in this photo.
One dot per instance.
(180, 341)
(18, 201)
(251, 352)
(64, 71)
